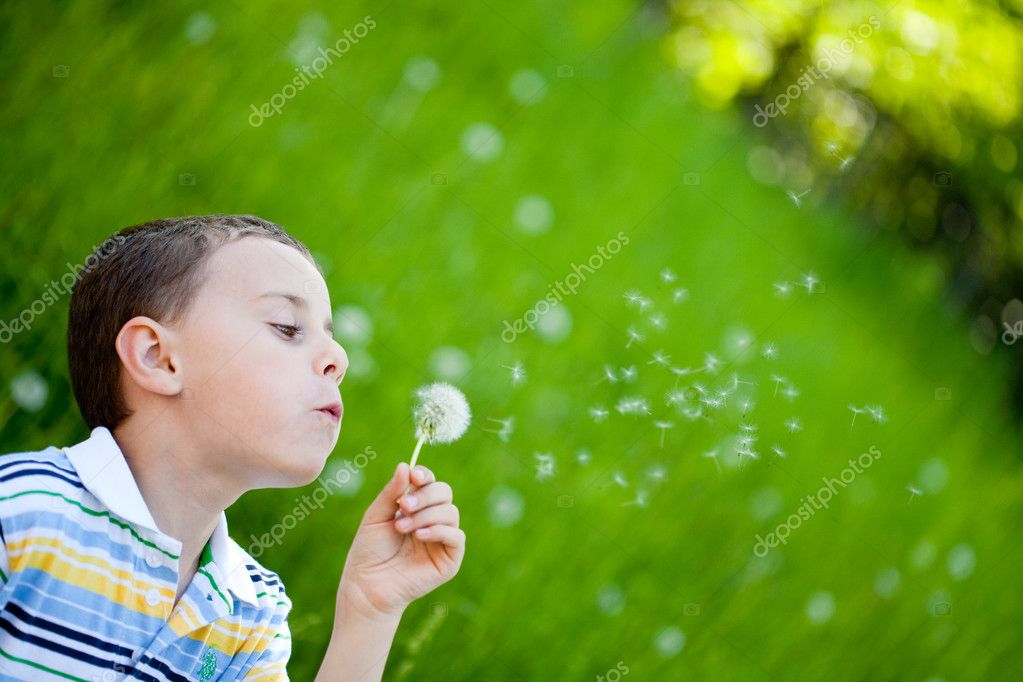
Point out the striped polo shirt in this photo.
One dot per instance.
(89, 582)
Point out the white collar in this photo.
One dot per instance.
(104, 472)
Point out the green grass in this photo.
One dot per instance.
(347, 167)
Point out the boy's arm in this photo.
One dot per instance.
(359, 643)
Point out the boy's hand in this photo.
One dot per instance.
(398, 557)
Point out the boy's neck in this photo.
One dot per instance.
(184, 497)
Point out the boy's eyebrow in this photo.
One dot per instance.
(298, 302)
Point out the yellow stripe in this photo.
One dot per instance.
(26, 554)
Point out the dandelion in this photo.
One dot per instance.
(877, 413)
(793, 425)
(770, 351)
(634, 336)
(679, 296)
(659, 358)
(629, 373)
(663, 426)
(782, 289)
(667, 276)
(441, 415)
(544, 465)
(507, 427)
(598, 414)
(518, 373)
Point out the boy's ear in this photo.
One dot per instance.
(146, 350)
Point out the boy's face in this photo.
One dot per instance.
(260, 366)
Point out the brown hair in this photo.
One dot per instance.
(153, 269)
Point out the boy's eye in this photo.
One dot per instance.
(289, 330)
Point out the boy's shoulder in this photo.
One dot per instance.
(34, 479)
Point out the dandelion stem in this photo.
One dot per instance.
(415, 453)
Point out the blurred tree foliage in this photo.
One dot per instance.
(909, 112)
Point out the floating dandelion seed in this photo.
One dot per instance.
(778, 381)
(663, 426)
(609, 375)
(711, 363)
(598, 414)
(658, 322)
(693, 413)
(639, 501)
(633, 298)
(507, 427)
(782, 289)
(620, 479)
(659, 358)
(809, 281)
(679, 296)
(632, 405)
(675, 396)
(876, 413)
(844, 162)
(583, 457)
(544, 465)
(778, 452)
(441, 415)
(790, 392)
(797, 198)
(633, 335)
(793, 425)
(713, 454)
(667, 276)
(629, 373)
(656, 472)
(518, 373)
(770, 351)
(913, 492)
(855, 410)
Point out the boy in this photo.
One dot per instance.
(202, 358)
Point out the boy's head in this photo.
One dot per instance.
(216, 329)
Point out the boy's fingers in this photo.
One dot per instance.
(446, 535)
(445, 513)
(419, 476)
(422, 476)
(383, 507)
(421, 498)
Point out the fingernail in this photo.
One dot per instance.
(404, 523)
(411, 501)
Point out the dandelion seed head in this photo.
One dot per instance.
(441, 414)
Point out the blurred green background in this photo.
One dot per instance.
(791, 295)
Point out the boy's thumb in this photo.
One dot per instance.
(384, 506)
